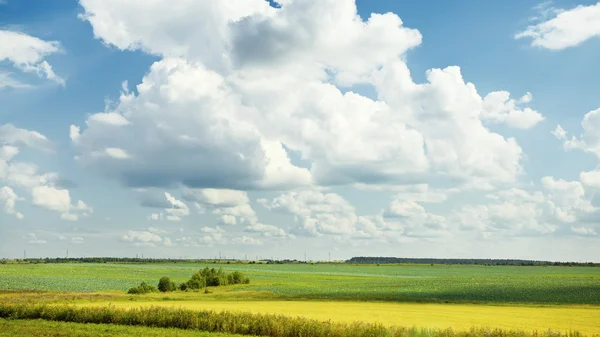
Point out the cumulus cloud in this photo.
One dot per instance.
(9, 197)
(412, 219)
(45, 188)
(584, 231)
(565, 29)
(498, 107)
(219, 112)
(58, 200)
(231, 206)
(317, 214)
(519, 212)
(559, 133)
(589, 142)
(174, 209)
(11, 135)
(27, 53)
(142, 238)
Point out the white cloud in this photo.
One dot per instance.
(591, 178)
(59, 200)
(517, 212)
(500, 108)
(175, 212)
(116, 153)
(559, 133)
(27, 53)
(33, 239)
(69, 217)
(589, 142)
(567, 28)
(11, 135)
(590, 139)
(316, 213)
(178, 209)
(267, 230)
(247, 240)
(142, 238)
(585, 231)
(217, 197)
(53, 199)
(7, 81)
(9, 197)
(224, 114)
(228, 219)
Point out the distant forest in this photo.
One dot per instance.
(354, 260)
(487, 262)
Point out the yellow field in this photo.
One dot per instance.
(585, 319)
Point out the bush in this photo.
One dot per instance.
(143, 288)
(165, 284)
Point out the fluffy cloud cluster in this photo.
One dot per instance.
(566, 28)
(26, 53)
(211, 236)
(175, 210)
(146, 239)
(9, 198)
(233, 208)
(555, 209)
(589, 142)
(43, 187)
(233, 102)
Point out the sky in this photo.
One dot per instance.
(292, 128)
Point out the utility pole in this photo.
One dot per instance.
(329, 256)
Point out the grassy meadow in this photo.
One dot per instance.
(412, 283)
(42, 328)
(563, 299)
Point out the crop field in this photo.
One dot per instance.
(424, 283)
(563, 299)
(40, 328)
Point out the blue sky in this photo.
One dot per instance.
(274, 131)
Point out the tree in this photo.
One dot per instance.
(165, 284)
(143, 288)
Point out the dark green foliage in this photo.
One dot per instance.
(143, 288)
(239, 323)
(196, 282)
(485, 262)
(211, 277)
(165, 284)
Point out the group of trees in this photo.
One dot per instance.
(213, 278)
(201, 279)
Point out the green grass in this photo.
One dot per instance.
(412, 283)
(242, 323)
(41, 328)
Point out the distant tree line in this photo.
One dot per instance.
(487, 262)
(140, 260)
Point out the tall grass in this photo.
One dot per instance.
(239, 323)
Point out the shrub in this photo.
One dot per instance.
(143, 288)
(165, 284)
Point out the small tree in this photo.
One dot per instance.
(165, 284)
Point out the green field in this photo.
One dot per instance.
(528, 299)
(490, 284)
